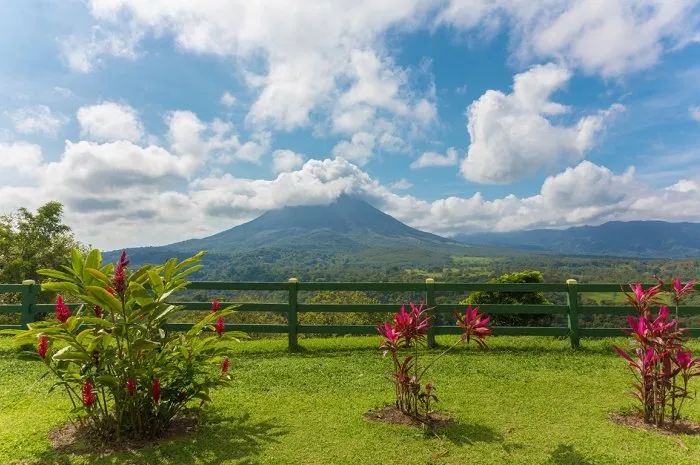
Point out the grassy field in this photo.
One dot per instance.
(527, 401)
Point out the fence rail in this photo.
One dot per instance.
(29, 308)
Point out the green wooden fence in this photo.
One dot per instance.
(572, 311)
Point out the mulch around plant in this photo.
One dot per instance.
(73, 439)
(636, 420)
(392, 415)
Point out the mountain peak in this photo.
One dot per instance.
(347, 222)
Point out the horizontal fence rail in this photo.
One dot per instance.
(29, 309)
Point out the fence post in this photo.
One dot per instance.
(572, 314)
(292, 313)
(28, 301)
(430, 302)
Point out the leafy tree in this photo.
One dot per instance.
(514, 298)
(338, 318)
(31, 241)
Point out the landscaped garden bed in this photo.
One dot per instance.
(526, 400)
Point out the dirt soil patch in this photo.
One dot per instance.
(74, 439)
(391, 414)
(636, 420)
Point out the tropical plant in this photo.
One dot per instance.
(124, 372)
(660, 362)
(402, 338)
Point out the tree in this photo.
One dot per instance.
(338, 318)
(31, 241)
(514, 298)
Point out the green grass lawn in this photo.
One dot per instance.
(529, 400)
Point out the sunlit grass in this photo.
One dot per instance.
(529, 400)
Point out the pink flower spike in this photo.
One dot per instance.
(215, 306)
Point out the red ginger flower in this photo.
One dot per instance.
(224, 366)
(120, 274)
(474, 325)
(131, 386)
(43, 346)
(62, 311)
(220, 326)
(156, 390)
(98, 311)
(215, 306)
(89, 396)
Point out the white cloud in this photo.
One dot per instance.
(300, 58)
(435, 159)
(401, 184)
(694, 113)
(285, 160)
(83, 53)
(228, 99)
(611, 37)
(110, 121)
(511, 135)
(217, 140)
(20, 156)
(36, 119)
(358, 150)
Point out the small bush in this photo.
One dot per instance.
(124, 372)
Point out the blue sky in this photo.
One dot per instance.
(158, 121)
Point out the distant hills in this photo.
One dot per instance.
(642, 239)
(350, 234)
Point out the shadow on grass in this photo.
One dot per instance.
(461, 434)
(565, 454)
(220, 439)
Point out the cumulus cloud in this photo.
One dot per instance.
(36, 119)
(401, 184)
(359, 149)
(286, 160)
(512, 135)
(20, 156)
(110, 121)
(594, 36)
(217, 140)
(435, 159)
(228, 99)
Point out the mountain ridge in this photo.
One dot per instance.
(633, 239)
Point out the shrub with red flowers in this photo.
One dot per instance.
(661, 364)
(125, 374)
(403, 336)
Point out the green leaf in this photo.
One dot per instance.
(77, 262)
(108, 380)
(107, 299)
(68, 354)
(169, 268)
(98, 275)
(156, 282)
(97, 321)
(93, 259)
(56, 274)
(28, 356)
(60, 287)
(188, 271)
(143, 344)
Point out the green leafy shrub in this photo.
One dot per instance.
(514, 298)
(124, 372)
